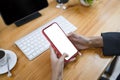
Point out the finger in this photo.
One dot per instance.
(53, 55)
(79, 54)
(61, 61)
(63, 57)
(73, 59)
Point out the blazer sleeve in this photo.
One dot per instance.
(111, 43)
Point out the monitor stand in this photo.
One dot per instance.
(27, 19)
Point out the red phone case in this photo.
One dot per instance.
(52, 44)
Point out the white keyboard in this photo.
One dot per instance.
(34, 43)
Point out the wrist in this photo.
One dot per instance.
(95, 42)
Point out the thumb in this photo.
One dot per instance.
(63, 57)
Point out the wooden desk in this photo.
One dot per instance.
(103, 16)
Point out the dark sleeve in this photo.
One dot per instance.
(118, 78)
(111, 43)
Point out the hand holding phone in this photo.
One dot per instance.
(59, 41)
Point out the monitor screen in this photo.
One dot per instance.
(14, 10)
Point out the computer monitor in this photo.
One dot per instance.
(21, 11)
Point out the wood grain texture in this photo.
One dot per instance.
(102, 16)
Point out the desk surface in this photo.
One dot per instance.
(103, 16)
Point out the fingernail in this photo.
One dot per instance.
(79, 53)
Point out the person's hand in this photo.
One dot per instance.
(57, 65)
(79, 41)
(82, 42)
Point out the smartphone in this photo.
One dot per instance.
(59, 41)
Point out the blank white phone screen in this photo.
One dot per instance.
(59, 39)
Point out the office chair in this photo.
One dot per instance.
(110, 69)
